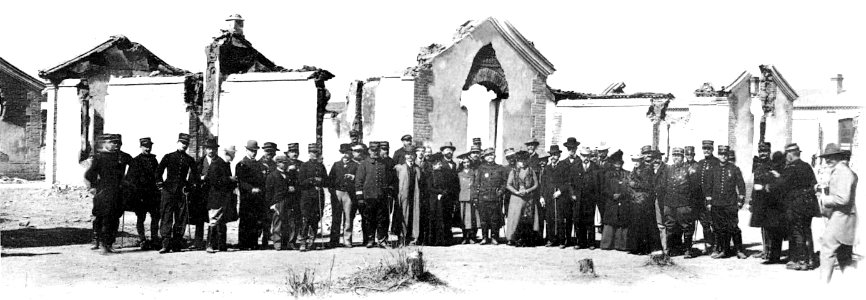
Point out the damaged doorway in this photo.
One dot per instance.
(481, 99)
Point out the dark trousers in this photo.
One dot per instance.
(679, 222)
(800, 247)
(773, 237)
(706, 220)
(584, 221)
(250, 223)
(173, 220)
(105, 229)
(725, 220)
(559, 220)
(374, 219)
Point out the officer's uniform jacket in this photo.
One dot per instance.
(729, 185)
(489, 181)
(181, 172)
(106, 174)
(374, 178)
(676, 189)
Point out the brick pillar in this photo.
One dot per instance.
(422, 130)
(538, 109)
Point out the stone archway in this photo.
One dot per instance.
(483, 106)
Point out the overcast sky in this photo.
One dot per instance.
(653, 46)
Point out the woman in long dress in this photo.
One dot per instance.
(617, 211)
(522, 217)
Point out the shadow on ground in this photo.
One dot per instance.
(24, 254)
(44, 237)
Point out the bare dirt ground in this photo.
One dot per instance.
(45, 253)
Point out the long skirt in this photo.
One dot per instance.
(469, 215)
(518, 208)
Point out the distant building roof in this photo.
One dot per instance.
(118, 53)
(14, 72)
(571, 95)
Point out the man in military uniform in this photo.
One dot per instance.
(313, 179)
(181, 177)
(142, 175)
(342, 178)
(281, 192)
(584, 187)
(705, 170)
(677, 199)
(767, 210)
(400, 154)
(727, 198)
(217, 190)
(292, 152)
(796, 183)
(105, 176)
(373, 183)
(270, 151)
(251, 183)
(555, 193)
(489, 187)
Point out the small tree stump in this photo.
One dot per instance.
(660, 259)
(587, 266)
(416, 264)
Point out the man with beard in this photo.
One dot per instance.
(704, 177)
(142, 175)
(181, 176)
(313, 179)
(488, 190)
(837, 204)
(727, 198)
(342, 177)
(400, 154)
(216, 189)
(251, 183)
(407, 212)
(531, 147)
(267, 160)
(796, 182)
(584, 187)
(676, 195)
(105, 177)
(556, 199)
(450, 204)
(373, 184)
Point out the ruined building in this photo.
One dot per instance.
(22, 134)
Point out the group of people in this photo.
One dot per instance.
(420, 196)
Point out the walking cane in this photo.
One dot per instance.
(321, 212)
(122, 229)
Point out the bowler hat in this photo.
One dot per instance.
(269, 146)
(145, 141)
(252, 145)
(406, 137)
(446, 146)
(183, 138)
(554, 149)
(345, 148)
(571, 142)
(532, 141)
(833, 149)
(211, 143)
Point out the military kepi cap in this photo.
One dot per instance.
(374, 145)
(723, 149)
(689, 150)
(384, 145)
(314, 148)
(345, 148)
(406, 137)
(476, 141)
(145, 141)
(646, 149)
(678, 151)
(293, 147)
(707, 144)
(183, 138)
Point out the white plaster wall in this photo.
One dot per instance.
(708, 121)
(621, 123)
(393, 111)
(68, 137)
(267, 107)
(147, 107)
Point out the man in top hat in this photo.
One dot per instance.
(676, 195)
(374, 181)
(281, 192)
(342, 178)
(181, 177)
(313, 179)
(556, 199)
(796, 182)
(704, 176)
(837, 205)
(407, 147)
(489, 189)
(217, 190)
(727, 198)
(251, 184)
(106, 176)
(142, 175)
(584, 192)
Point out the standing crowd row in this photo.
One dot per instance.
(420, 196)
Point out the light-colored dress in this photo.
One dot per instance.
(521, 209)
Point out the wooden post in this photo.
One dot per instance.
(416, 264)
(587, 266)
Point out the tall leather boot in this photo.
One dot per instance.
(738, 245)
(719, 249)
(223, 237)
